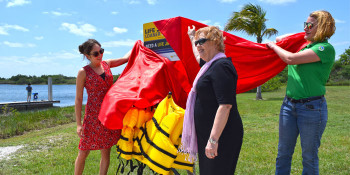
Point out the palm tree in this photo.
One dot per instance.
(251, 20)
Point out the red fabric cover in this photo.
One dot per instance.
(146, 80)
(148, 77)
(254, 62)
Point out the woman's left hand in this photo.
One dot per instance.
(271, 45)
(211, 150)
(191, 32)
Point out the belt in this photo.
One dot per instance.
(304, 100)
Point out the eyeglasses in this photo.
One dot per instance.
(97, 53)
(200, 41)
(308, 25)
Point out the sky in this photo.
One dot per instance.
(41, 37)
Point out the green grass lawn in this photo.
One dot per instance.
(53, 150)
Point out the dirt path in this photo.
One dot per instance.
(5, 152)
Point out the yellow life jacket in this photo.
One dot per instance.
(125, 143)
(133, 119)
(156, 141)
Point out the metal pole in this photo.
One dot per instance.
(49, 82)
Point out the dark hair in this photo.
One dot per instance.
(29, 84)
(86, 47)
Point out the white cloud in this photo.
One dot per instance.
(51, 56)
(205, 21)
(114, 13)
(43, 64)
(17, 3)
(227, 1)
(127, 42)
(3, 31)
(86, 30)
(116, 30)
(265, 41)
(107, 53)
(217, 24)
(208, 22)
(17, 27)
(55, 13)
(5, 28)
(132, 1)
(277, 2)
(152, 2)
(339, 21)
(18, 44)
(39, 37)
(119, 30)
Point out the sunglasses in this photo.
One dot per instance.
(200, 41)
(308, 25)
(97, 53)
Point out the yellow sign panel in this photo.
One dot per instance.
(151, 32)
(155, 40)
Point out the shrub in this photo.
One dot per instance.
(272, 85)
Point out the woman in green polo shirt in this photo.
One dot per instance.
(304, 109)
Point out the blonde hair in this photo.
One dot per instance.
(325, 25)
(213, 34)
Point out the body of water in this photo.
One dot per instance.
(18, 93)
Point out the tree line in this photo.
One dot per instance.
(56, 79)
(25, 79)
(339, 76)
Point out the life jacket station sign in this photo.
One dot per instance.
(154, 40)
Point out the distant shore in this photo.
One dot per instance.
(56, 79)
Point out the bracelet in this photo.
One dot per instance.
(212, 141)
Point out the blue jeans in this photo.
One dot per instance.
(307, 119)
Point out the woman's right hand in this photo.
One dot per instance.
(191, 32)
(271, 45)
(80, 131)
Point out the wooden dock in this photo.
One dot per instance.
(20, 106)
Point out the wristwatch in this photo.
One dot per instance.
(212, 141)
